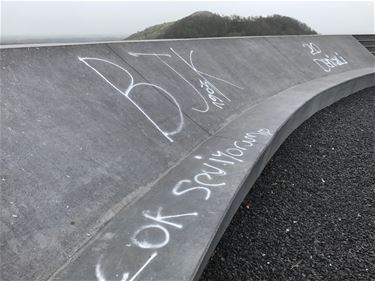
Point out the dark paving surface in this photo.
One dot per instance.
(311, 214)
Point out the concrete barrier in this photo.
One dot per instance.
(126, 161)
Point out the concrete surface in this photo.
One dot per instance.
(106, 169)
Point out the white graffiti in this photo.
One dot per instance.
(208, 86)
(159, 219)
(131, 86)
(212, 170)
(100, 276)
(327, 63)
(176, 190)
(203, 181)
(230, 156)
(212, 95)
(163, 219)
(314, 49)
(144, 244)
(211, 175)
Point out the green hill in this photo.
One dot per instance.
(207, 24)
(152, 32)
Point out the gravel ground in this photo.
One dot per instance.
(311, 214)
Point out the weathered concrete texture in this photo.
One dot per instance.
(157, 138)
(72, 148)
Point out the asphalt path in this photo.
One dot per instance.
(311, 214)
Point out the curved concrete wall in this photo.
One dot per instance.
(127, 160)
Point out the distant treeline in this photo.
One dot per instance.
(207, 24)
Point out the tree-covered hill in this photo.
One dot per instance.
(207, 24)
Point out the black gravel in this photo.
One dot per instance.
(311, 214)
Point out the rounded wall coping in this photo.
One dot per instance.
(83, 43)
(189, 222)
(326, 94)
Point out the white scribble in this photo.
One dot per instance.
(131, 86)
(177, 189)
(98, 272)
(206, 85)
(205, 178)
(264, 132)
(163, 219)
(209, 176)
(314, 49)
(327, 63)
(147, 245)
(100, 276)
(209, 85)
(236, 145)
(143, 267)
(220, 154)
(234, 151)
(191, 65)
(206, 106)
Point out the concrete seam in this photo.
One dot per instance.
(305, 75)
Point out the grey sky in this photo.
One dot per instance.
(72, 21)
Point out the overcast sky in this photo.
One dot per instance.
(89, 20)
